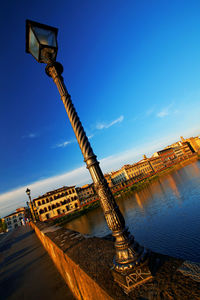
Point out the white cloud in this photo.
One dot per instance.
(64, 144)
(165, 111)
(107, 125)
(90, 136)
(150, 111)
(30, 136)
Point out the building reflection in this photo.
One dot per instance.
(86, 224)
(173, 186)
(195, 169)
(139, 202)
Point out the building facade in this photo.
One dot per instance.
(86, 194)
(118, 176)
(140, 169)
(167, 156)
(194, 143)
(56, 203)
(14, 220)
(108, 178)
(156, 164)
(182, 150)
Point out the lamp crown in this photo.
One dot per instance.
(28, 191)
(41, 41)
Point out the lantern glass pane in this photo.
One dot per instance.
(46, 37)
(33, 44)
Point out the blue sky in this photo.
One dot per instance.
(132, 69)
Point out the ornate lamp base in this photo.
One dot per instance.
(128, 280)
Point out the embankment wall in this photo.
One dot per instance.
(84, 263)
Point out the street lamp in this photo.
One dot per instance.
(130, 265)
(28, 192)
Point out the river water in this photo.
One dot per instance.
(164, 216)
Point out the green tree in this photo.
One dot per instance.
(3, 225)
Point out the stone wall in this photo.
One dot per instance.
(84, 263)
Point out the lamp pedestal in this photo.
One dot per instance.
(128, 280)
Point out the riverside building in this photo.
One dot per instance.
(156, 164)
(140, 169)
(14, 220)
(193, 143)
(57, 203)
(167, 156)
(182, 150)
(86, 194)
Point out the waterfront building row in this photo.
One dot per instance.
(66, 200)
(160, 160)
(63, 201)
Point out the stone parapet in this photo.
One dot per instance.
(85, 262)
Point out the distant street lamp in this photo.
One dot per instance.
(130, 258)
(31, 204)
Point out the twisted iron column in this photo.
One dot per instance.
(128, 252)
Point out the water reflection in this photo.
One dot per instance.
(163, 216)
(139, 202)
(173, 186)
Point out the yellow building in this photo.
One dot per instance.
(108, 179)
(56, 203)
(140, 169)
(118, 176)
(86, 194)
(186, 149)
(182, 149)
(194, 143)
(156, 164)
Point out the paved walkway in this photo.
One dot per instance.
(26, 270)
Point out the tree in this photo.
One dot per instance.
(3, 226)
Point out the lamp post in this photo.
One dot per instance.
(130, 258)
(28, 192)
